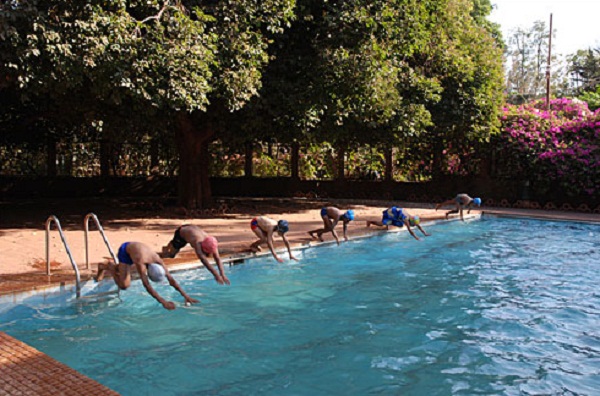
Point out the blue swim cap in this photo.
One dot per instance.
(349, 215)
(415, 220)
(283, 226)
(156, 272)
(477, 201)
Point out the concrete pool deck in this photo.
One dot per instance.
(24, 370)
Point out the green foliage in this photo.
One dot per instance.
(23, 159)
(418, 74)
(317, 161)
(368, 72)
(467, 61)
(585, 70)
(271, 161)
(480, 11)
(226, 160)
(591, 98)
(170, 55)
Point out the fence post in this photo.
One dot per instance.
(248, 159)
(295, 160)
(389, 163)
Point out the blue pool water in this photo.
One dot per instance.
(495, 306)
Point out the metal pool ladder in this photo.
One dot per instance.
(49, 221)
(86, 224)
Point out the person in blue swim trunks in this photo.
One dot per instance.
(331, 217)
(399, 217)
(461, 201)
(148, 264)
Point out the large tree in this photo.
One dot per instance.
(466, 59)
(163, 64)
(527, 65)
(342, 74)
(347, 72)
(584, 67)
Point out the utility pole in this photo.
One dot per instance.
(548, 67)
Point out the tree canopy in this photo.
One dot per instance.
(346, 72)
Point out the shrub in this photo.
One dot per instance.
(555, 147)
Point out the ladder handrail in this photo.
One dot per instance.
(62, 236)
(86, 225)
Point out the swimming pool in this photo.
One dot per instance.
(495, 306)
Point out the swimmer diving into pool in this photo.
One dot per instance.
(461, 201)
(399, 217)
(204, 245)
(148, 264)
(331, 216)
(264, 228)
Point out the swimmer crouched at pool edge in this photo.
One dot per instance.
(461, 201)
(331, 216)
(148, 264)
(398, 217)
(264, 228)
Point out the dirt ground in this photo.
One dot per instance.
(152, 221)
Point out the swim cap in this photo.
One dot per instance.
(283, 226)
(210, 245)
(156, 272)
(349, 215)
(477, 201)
(415, 220)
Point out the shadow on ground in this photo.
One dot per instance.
(33, 213)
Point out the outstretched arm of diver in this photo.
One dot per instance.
(410, 230)
(287, 245)
(176, 286)
(221, 269)
(170, 305)
(422, 230)
(271, 248)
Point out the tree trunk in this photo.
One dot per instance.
(68, 159)
(193, 180)
(205, 174)
(295, 160)
(154, 152)
(248, 160)
(388, 154)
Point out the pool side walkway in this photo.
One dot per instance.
(27, 371)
